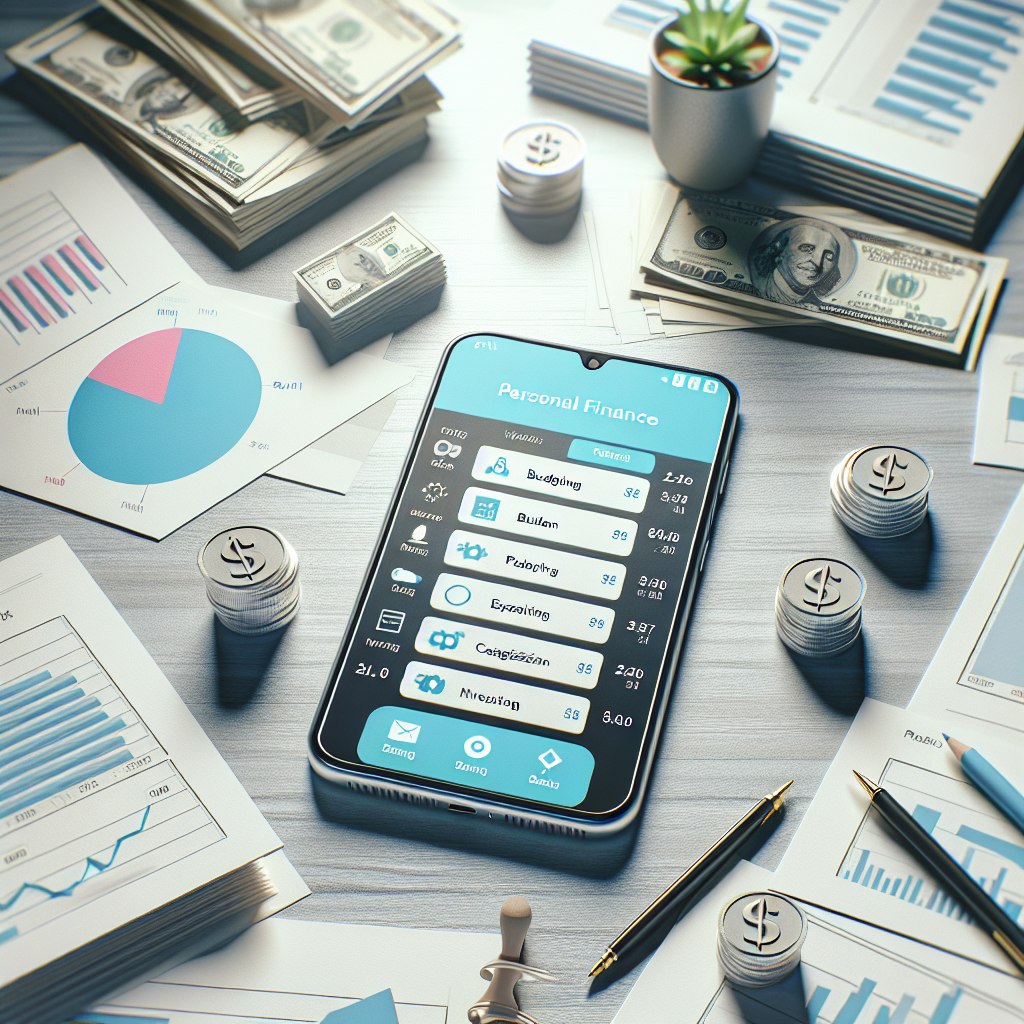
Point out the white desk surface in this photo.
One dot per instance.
(744, 718)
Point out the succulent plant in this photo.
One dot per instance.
(713, 47)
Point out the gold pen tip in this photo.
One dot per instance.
(866, 783)
(603, 964)
(777, 797)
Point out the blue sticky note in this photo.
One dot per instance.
(375, 1009)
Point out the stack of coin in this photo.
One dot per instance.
(252, 579)
(817, 607)
(540, 169)
(760, 936)
(881, 491)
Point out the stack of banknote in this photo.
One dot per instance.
(247, 111)
(830, 266)
(382, 278)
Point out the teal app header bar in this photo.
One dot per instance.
(622, 403)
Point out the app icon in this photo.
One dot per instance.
(477, 746)
(419, 535)
(458, 595)
(549, 759)
(472, 552)
(404, 576)
(434, 492)
(390, 621)
(404, 732)
(500, 468)
(445, 641)
(485, 508)
(429, 684)
(446, 448)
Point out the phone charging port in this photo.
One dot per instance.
(461, 809)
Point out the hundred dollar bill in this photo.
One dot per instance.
(838, 271)
(349, 56)
(365, 264)
(105, 65)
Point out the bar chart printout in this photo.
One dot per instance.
(49, 268)
(848, 980)
(996, 664)
(89, 800)
(985, 844)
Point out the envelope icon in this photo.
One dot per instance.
(404, 732)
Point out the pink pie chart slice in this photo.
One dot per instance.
(143, 366)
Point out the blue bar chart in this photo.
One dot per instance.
(87, 794)
(846, 979)
(985, 844)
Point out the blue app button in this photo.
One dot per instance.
(483, 756)
(612, 456)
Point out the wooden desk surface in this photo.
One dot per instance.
(744, 718)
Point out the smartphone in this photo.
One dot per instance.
(518, 631)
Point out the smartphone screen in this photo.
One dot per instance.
(513, 637)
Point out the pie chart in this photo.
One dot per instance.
(164, 406)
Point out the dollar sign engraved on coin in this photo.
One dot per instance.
(885, 466)
(817, 582)
(756, 915)
(236, 552)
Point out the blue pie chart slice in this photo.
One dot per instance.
(164, 406)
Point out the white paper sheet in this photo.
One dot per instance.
(75, 252)
(999, 427)
(843, 858)
(976, 679)
(115, 831)
(151, 420)
(299, 971)
(849, 972)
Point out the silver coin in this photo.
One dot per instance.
(760, 936)
(822, 587)
(244, 556)
(890, 474)
(542, 148)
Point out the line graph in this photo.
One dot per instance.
(93, 866)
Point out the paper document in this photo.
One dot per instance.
(113, 801)
(151, 420)
(999, 427)
(976, 679)
(844, 858)
(75, 252)
(850, 973)
(300, 971)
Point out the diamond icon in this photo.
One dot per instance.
(549, 759)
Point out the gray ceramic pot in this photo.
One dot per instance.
(709, 139)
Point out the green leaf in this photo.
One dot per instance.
(737, 17)
(676, 60)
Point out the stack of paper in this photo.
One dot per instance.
(128, 842)
(246, 117)
(922, 129)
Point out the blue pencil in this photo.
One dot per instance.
(995, 786)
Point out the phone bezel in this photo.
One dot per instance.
(497, 805)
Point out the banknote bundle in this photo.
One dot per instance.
(247, 113)
(383, 277)
(834, 267)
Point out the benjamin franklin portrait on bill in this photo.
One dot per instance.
(799, 262)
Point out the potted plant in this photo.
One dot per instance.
(713, 81)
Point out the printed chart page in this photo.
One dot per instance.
(295, 972)
(850, 973)
(999, 426)
(930, 88)
(844, 858)
(75, 253)
(153, 419)
(976, 679)
(108, 785)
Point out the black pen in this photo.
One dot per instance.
(694, 882)
(957, 882)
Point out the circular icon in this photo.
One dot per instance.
(710, 237)
(457, 595)
(477, 746)
(443, 448)
(118, 56)
(333, 283)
